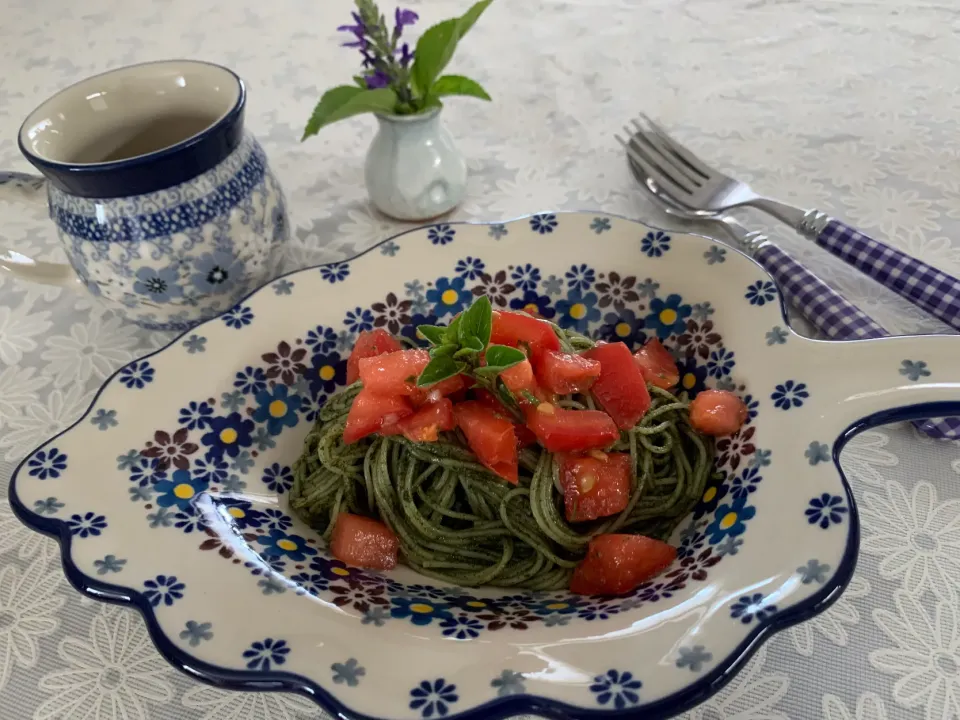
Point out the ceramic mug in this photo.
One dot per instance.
(164, 204)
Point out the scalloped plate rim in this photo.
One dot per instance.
(504, 707)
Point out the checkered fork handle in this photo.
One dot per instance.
(834, 316)
(923, 285)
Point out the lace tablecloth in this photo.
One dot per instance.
(850, 106)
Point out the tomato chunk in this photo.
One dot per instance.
(565, 374)
(432, 393)
(717, 412)
(393, 374)
(486, 398)
(657, 364)
(365, 543)
(520, 381)
(562, 430)
(616, 564)
(620, 389)
(520, 330)
(491, 438)
(426, 424)
(595, 487)
(370, 344)
(369, 412)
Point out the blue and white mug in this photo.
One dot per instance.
(164, 204)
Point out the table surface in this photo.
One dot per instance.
(850, 106)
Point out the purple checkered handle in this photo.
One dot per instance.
(923, 285)
(829, 311)
(831, 314)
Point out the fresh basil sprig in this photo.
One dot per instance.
(459, 347)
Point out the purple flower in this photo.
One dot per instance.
(378, 79)
(404, 18)
(406, 57)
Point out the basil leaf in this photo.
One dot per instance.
(440, 368)
(451, 335)
(431, 333)
(488, 370)
(473, 344)
(447, 349)
(476, 323)
(470, 17)
(458, 85)
(434, 50)
(345, 101)
(503, 356)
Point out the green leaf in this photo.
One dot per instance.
(431, 333)
(434, 50)
(473, 344)
(503, 356)
(476, 323)
(458, 85)
(452, 334)
(470, 17)
(345, 101)
(361, 81)
(440, 368)
(448, 349)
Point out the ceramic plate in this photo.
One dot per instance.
(170, 493)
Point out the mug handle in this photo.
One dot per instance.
(16, 187)
(862, 383)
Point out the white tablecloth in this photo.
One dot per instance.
(848, 105)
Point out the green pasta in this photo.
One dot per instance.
(458, 522)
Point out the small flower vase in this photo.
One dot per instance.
(413, 169)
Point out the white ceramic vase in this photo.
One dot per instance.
(413, 169)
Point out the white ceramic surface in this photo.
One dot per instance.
(413, 169)
(179, 507)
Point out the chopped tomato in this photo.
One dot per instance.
(522, 331)
(426, 424)
(393, 374)
(365, 543)
(717, 412)
(432, 393)
(616, 564)
(562, 430)
(525, 436)
(370, 344)
(620, 389)
(595, 486)
(520, 381)
(491, 401)
(369, 412)
(564, 374)
(657, 365)
(491, 438)
(486, 398)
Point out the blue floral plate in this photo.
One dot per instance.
(170, 493)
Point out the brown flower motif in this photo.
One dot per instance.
(216, 542)
(698, 339)
(732, 449)
(170, 450)
(285, 363)
(617, 291)
(496, 288)
(516, 618)
(393, 313)
(361, 596)
(696, 567)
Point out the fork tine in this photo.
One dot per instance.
(667, 185)
(662, 152)
(695, 163)
(659, 166)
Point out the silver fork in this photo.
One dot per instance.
(703, 189)
(826, 309)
